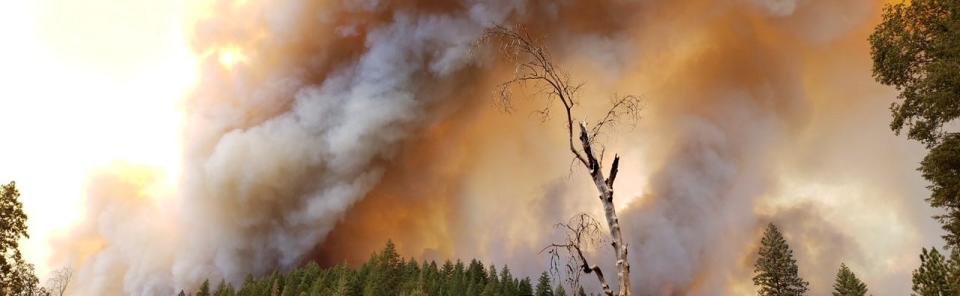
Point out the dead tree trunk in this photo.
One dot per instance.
(533, 64)
(605, 188)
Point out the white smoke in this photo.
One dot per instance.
(280, 150)
(260, 194)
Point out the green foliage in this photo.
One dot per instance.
(204, 289)
(385, 270)
(525, 288)
(385, 273)
(776, 272)
(942, 168)
(508, 285)
(347, 285)
(847, 283)
(936, 275)
(224, 290)
(916, 48)
(17, 277)
(543, 285)
(559, 291)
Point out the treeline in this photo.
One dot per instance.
(386, 273)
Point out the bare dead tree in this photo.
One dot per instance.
(59, 280)
(534, 65)
(581, 233)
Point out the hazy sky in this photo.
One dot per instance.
(157, 143)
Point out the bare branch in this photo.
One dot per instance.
(627, 106)
(533, 64)
(581, 232)
(59, 280)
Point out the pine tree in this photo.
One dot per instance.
(524, 288)
(543, 285)
(453, 278)
(559, 291)
(385, 272)
(934, 275)
(225, 289)
(204, 289)
(348, 285)
(776, 272)
(492, 276)
(411, 277)
(430, 279)
(276, 284)
(581, 292)
(508, 285)
(847, 284)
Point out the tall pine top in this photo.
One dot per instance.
(847, 283)
(776, 272)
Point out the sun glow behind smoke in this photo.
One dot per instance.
(231, 56)
(88, 84)
(95, 92)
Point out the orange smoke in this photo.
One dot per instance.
(320, 129)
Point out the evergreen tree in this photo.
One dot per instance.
(490, 289)
(459, 278)
(225, 289)
(293, 282)
(386, 270)
(475, 278)
(411, 275)
(492, 277)
(934, 276)
(776, 272)
(543, 285)
(347, 285)
(508, 286)
(430, 279)
(220, 288)
(559, 291)
(204, 289)
(581, 292)
(447, 286)
(317, 286)
(249, 286)
(276, 284)
(524, 288)
(847, 284)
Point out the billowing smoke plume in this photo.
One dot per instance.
(333, 126)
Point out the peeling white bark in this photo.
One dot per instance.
(605, 188)
(534, 65)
